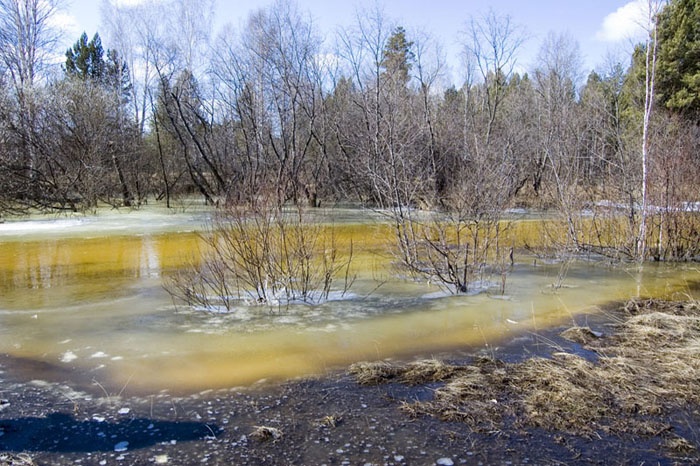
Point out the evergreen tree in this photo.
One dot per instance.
(398, 57)
(85, 60)
(679, 57)
(88, 61)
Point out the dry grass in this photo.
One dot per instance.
(266, 434)
(649, 367)
(414, 373)
(428, 370)
(9, 459)
(582, 335)
(374, 373)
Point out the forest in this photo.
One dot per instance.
(273, 115)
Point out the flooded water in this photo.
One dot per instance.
(82, 301)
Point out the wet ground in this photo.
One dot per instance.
(331, 420)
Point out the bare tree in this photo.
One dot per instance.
(651, 53)
(491, 46)
(26, 38)
(270, 87)
(558, 133)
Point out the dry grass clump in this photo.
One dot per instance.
(414, 373)
(428, 370)
(582, 335)
(474, 398)
(680, 445)
(331, 420)
(8, 459)
(646, 369)
(266, 433)
(374, 373)
(564, 393)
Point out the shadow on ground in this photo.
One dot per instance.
(61, 432)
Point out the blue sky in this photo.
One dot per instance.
(599, 26)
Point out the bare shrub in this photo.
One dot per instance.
(263, 255)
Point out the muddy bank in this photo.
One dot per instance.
(618, 389)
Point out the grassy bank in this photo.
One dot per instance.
(640, 379)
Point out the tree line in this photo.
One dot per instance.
(270, 110)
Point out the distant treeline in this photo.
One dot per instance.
(273, 110)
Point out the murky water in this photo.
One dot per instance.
(82, 300)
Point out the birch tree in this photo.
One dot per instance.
(26, 38)
(651, 54)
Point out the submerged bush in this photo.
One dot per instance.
(262, 255)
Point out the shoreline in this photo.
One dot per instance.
(393, 420)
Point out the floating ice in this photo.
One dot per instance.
(68, 356)
(121, 446)
(36, 226)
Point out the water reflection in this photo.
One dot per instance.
(94, 304)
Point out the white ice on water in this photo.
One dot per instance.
(105, 223)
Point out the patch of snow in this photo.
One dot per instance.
(98, 355)
(445, 462)
(124, 411)
(98, 418)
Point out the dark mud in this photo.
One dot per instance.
(331, 420)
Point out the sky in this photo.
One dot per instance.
(601, 27)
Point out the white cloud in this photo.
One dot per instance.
(126, 3)
(628, 21)
(65, 23)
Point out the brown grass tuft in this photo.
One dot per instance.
(266, 434)
(414, 373)
(680, 445)
(648, 367)
(9, 459)
(582, 335)
(374, 373)
(427, 370)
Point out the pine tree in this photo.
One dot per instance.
(85, 60)
(398, 57)
(679, 57)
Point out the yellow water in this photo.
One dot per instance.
(88, 303)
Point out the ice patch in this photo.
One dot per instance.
(68, 356)
(36, 226)
(99, 354)
(329, 328)
(121, 446)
